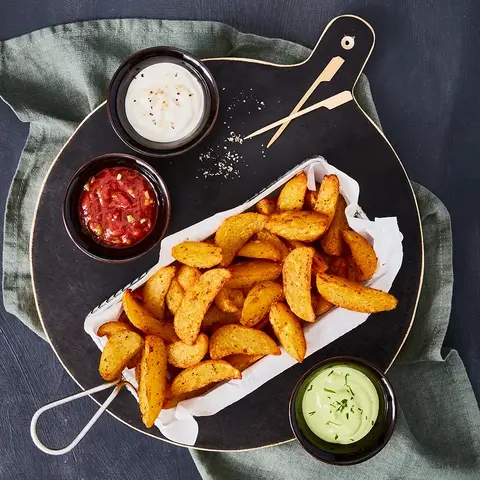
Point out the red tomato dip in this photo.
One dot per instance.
(118, 207)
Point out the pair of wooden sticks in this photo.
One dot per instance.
(335, 101)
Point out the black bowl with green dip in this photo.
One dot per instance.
(343, 410)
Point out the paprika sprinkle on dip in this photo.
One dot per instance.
(117, 207)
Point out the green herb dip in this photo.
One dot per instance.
(340, 404)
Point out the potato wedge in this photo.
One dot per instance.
(201, 375)
(320, 305)
(354, 296)
(230, 299)
(262, 323)
(172, 402)
(231, 339)
(141, 318)
(110, 328)
(258, 302)
(338, 267)
(297, 278)
(328, 197)
(120, 348)
(310, 199)
(247, 274)
(197, 254)
(319, 264)
(363, 255)
(259, 249)
(332, 241)
(266, 206)
(155, 291)
(305, 226)
(288, 330)
(215, 316)
(188, 276)
(292, 194)
(183, 356)
(241, 361)
(196, 302)
(351, 269)
(266, 236)
(174, 296)
(235, 231)
(152, 385)
(134, 361)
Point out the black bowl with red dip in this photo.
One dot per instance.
(116, 208)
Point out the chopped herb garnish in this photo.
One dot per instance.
(129, 218)
(330, 373)
(347, 415)
(333, 423)
(143, 220)
(311, 413)
(352, 440)
(373, 422)
(336, 437)
(330, 391)
(360, 410)
(309, 388)
(366, 418)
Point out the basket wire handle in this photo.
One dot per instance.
(33, 425)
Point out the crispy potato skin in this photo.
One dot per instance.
(232, 339)
(242, 361)
(235, 231)
(354, 296)
(174, 296)
(328, 197)
(363, 255)
(302, 225)
(288, 330)
(230, 299)
(155, 291)
(201, 375)
(259, 249)
(266, 236)
(292, 194)
(197, 254)
(332, 242)
(338, 267)
(215, 317)
(310, 199)
(297, 276)
(258, 302)
(247, 274)
(320, 305)
(266, 206)
(183, 356)
(110, 328)
(120, 348)
(196, 302)
(152, 384)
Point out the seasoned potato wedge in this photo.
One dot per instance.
(262, 323)
(152, 385)
(155, 291)
(320, 305)
(319, 264)
(230, 299)
(188, 276)
(351, 269)
(174, 296)
(120, 348)
(197, 254)
(354, 296)
(235, 231)
(141, 318)
(247, 274)
(328, 197)
(196, 302)
(266, 206)
(297, 276)
(172, 402)
(231, 339)
(293, 193)
(332, 241)
(110, 328)
(241, 361)
(215, 316)
(363, 255)
(338, 267)
(310, 199)
(305, 226)
(201, 375)
(183, 356)
(259, 249)
(259, 300)
(266, 236)
(288, 330)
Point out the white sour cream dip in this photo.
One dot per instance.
(164, 102)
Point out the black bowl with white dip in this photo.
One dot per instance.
(162, 101)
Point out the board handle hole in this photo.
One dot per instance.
(348, 42)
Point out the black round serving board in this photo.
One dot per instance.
(68, 284)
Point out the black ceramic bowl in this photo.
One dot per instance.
(121, 80)
(363, 449)
(83, 239)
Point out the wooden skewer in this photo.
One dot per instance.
(325, 76)
(330, 103)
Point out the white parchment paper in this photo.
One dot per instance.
(178, 424)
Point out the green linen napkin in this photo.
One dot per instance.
(54, 77)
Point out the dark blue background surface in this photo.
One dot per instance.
(424, 74)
